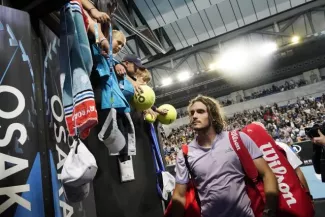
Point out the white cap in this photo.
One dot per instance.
(78, 170)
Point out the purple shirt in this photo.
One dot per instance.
(219, 176)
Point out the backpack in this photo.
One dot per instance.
(293, 199)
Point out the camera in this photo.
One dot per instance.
(312, 132)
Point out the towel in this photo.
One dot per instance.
(76, 63)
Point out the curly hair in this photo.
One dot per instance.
(216, 116)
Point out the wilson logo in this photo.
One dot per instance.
(279, 171)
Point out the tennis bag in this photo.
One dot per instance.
(293, 200)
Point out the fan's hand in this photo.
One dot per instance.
(99, 16)
(120, 70)
(104, 45)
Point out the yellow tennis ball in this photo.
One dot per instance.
(150, 118)
(171, 115)
(145, 100)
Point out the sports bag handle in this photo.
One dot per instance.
(244, 156)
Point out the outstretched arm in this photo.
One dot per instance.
(99, 16)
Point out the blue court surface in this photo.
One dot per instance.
(317, 188)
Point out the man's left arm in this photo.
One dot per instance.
(302, 179)
(270, 186)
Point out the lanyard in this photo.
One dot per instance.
(111, 62)
(96, 34)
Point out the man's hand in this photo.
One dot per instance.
(99, 16)
(179, 200)
(120, 70)
(319, 140)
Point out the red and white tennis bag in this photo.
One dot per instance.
(293, 198)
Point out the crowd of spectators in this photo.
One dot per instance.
(173, 142)
(288, 85)
(286, 123)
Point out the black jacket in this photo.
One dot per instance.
(319, 160)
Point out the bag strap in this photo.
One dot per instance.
(185, 154)
(192, 175)
(244, 156)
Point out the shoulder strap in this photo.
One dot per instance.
(243, 154)
(185, 152)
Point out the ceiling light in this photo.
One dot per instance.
(212, 66)
(268, 48)
(166, 81)
(233, 59)
(295, 39)
(183, 76)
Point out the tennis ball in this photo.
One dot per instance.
(145, 100)
(150, 118)
(171, 115)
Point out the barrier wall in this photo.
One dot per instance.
(55, 129)
(22, 191)
(34, 141)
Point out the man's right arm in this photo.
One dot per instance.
(179, 198)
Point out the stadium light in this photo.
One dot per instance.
(166, 81)
(183, 76)
(268, 48)
(212, 66)
(295, 39)
(233, 59)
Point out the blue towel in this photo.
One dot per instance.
(76, 64)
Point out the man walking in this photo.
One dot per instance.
(219, 176)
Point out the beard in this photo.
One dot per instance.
(202, 128)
